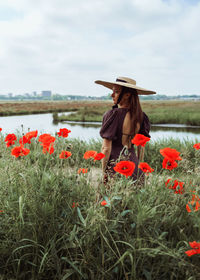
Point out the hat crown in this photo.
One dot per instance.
(126, 80)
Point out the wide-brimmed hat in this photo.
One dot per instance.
(126, 82)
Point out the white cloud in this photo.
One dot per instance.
(65, 45)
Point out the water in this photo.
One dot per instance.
(87, 131)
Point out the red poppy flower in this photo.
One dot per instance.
(197, 146)
(99, 156)
(177, 186)
(63, 132)
(75, 204)
(104, 203)
(83, 170)
(89, 154)
(169, 164)
(167, 182)
(47, 143)
(10, 139)
(48, 149)
(145, 167)
(195, 249)
(20, 151)
(10, 143)
(46, 138)
(0, 129)
(125, 168)
(140, 140)
(193, 205)
(65, 154)
(23, 140)
(170, 154)
(31, 134)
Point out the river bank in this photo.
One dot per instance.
(159, 112)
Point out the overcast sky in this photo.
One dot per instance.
(64, 45)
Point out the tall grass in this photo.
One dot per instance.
(159, 112)
(141, 234)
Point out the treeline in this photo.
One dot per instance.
(60, 97)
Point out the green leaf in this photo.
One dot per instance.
(125, 212)
(81, 217)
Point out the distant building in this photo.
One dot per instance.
(34, 93)
(46, 93)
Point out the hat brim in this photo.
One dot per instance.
(140, 91)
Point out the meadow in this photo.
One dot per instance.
(53, 225)
(159, 112)
(170, 111)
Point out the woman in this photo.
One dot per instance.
(121, 124)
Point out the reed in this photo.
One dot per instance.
(141, 234)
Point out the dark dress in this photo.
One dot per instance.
(112, 129)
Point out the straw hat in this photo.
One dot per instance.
(126, 82)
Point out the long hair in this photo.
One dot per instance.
(136, 112)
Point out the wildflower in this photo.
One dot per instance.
(195, 249)
(46, 138)
(0, 129)
(104, 203)
(196, 146)
(63, 132)
(75, 204)
(125, 168)
(10, 139)
(170, 154)
(193, 205)
(145, 167)
(23, 140)
(31, 134)
(140, 140)
(65, 154)
(47, 143)
(99, 156)
(89, 154)
(169, 164)
(177, 186)
(167, 182)
(83, 170)
(20, 151)
(48, 149)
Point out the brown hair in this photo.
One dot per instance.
(135, 110)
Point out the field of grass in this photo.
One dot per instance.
(159, 112)
(179, 112)
(38, 107)
(141, 234)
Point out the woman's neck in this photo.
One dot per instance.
(127, 106)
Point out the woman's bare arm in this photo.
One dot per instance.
(106, 150)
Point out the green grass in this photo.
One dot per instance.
(143, 234)
(159, 112)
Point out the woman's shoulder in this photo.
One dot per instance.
(111, 113)
(110, 124)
